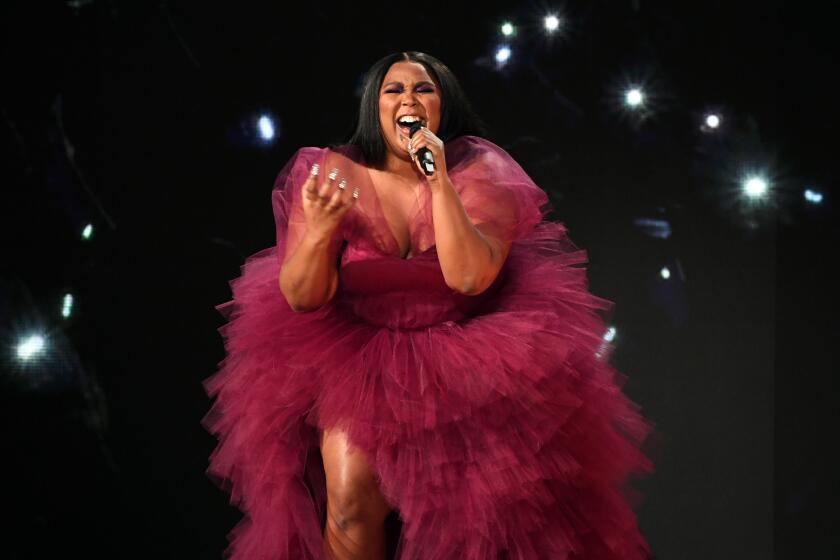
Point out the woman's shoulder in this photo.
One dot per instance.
(471, 152)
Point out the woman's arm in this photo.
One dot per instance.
(470, 260)
(309, 277)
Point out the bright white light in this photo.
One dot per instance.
(665, 272)
(507, 29)
(67, 305)
(813, 197)
(503, 54)
(552, 23)
(30, 346)
(634, 97)
(608, 337)
(755, 187)
(87, 233)
(712, 121)
(266, 126)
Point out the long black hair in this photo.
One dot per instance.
(457, 116)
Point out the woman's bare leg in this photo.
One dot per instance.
(356, 509)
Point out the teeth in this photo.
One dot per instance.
(408, 119)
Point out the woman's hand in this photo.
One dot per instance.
(425, 138)
(324, 206)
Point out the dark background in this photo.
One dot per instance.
(139, 118)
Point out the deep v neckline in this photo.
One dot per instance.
(410, 217)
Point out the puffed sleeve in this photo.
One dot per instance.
(498, 196)
(287, 205)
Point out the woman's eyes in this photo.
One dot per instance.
(421, 90)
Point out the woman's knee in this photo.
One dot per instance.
(356, 504)
(353, 494)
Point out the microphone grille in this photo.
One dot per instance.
(415, 126)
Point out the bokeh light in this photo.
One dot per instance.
(812, 196)
(265, 124)
(67, 306)
(503, 53)
(30, 347)
(552, 23)
(755, 187)
(634, 97)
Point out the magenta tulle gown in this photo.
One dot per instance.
(495, 424)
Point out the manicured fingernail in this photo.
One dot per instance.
(315, 169)
(333, 174)
(356, 192)
(342, 184)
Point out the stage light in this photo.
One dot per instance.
(604, 348)
(266, 127)
(665, 273)
(634, 97)
(660, 229)
(508, 29)
(552, 23)
(67, 306)
(30, 347)
(503, 55)
(755, 187)
(813, 196)
(87, 232)
(712, 121)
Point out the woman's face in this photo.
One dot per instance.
(407, 91)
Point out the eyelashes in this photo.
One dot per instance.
(421, 90)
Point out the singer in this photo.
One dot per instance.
(420, 342)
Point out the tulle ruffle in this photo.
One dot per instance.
(498, 431)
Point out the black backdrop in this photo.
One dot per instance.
(137, 117)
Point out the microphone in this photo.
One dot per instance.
(427, 160)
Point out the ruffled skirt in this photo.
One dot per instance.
(504, 434)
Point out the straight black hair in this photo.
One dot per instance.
(457, 116)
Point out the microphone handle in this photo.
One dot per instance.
(427, 160)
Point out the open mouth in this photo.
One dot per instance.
(404, 124)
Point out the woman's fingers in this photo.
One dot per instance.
(330, 197)
(342, 200)
(309, 189)
(425, 138)
(326, 190)
(337, 198)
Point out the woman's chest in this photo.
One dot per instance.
(397, 209)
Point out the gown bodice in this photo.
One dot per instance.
(386, 290)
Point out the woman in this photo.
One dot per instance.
(432, 350)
